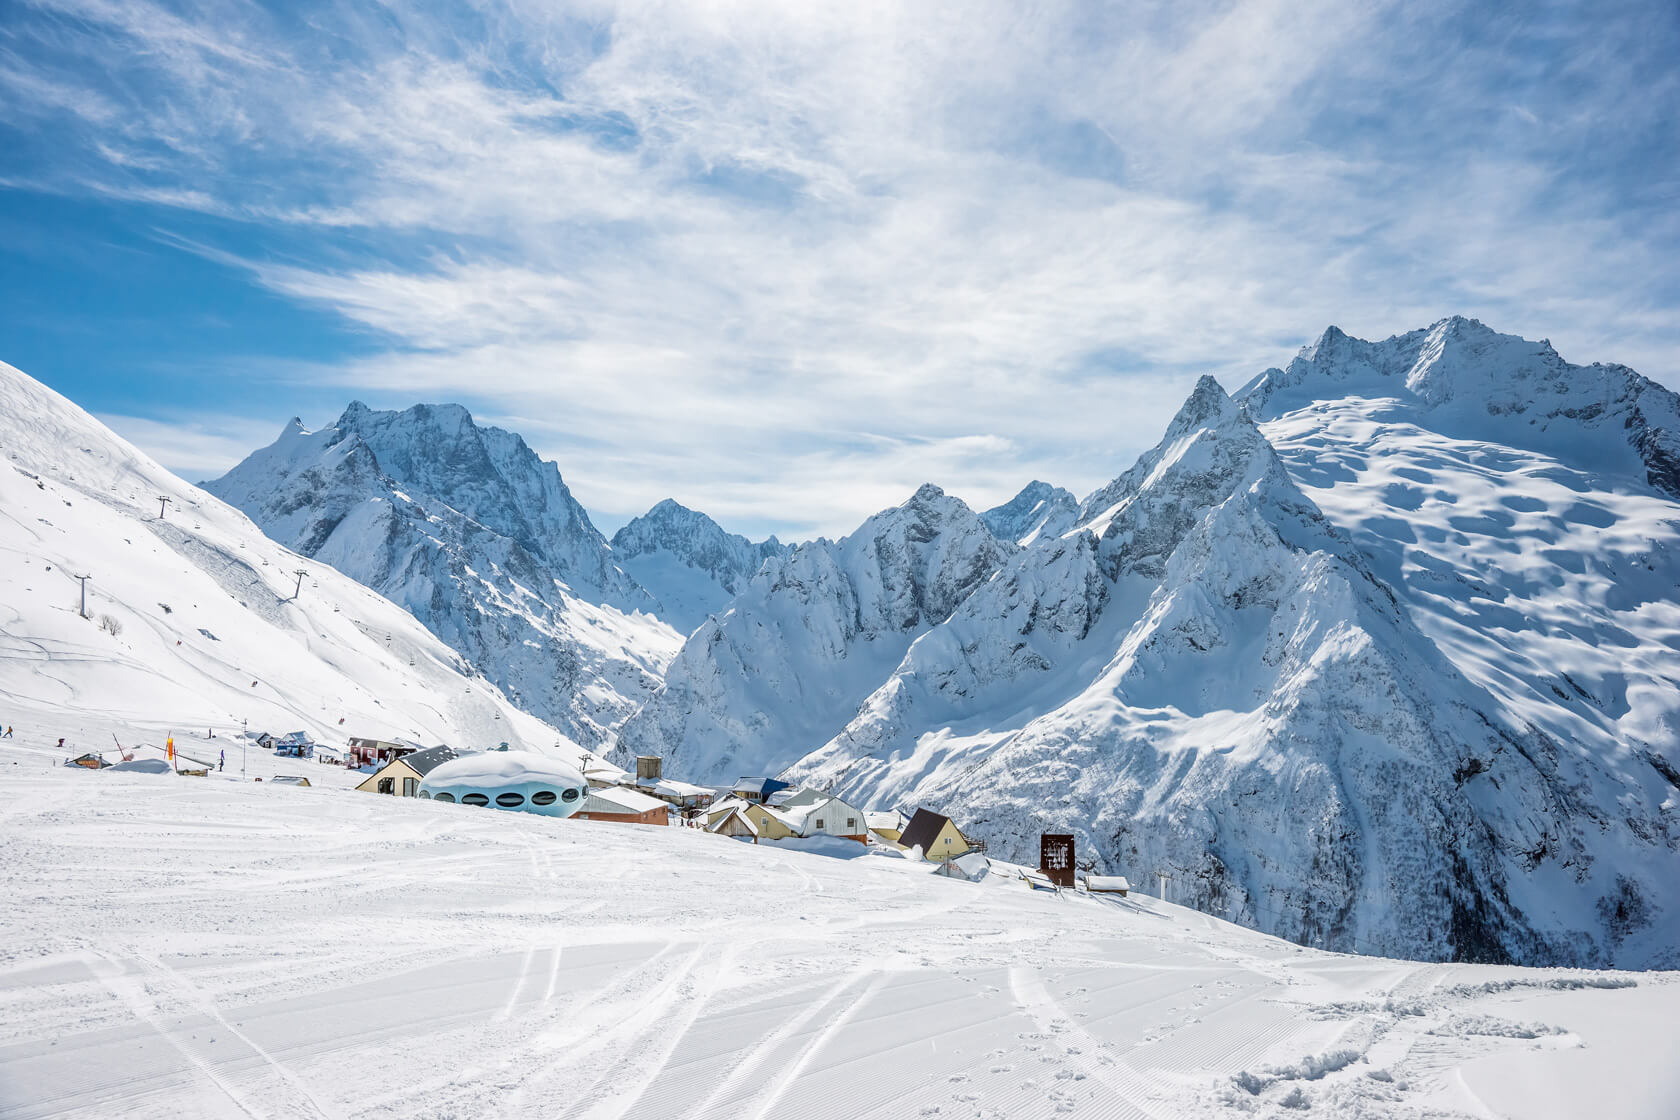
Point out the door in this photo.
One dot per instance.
(411, 787)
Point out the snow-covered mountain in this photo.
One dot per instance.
(1040, 510)
(1406, 687)
(809, 637)
(480, 539)
(196, 619)
(688, 562)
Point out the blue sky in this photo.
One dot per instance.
(784, 262)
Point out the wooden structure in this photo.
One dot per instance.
(626, 806)
(377, 752)
(935, 834)
(89, 761)
(649, 767)
(401, 776)
(760, 823)
(1055, 857)
(1108, 884)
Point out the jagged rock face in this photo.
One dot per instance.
(688, 562)
(809, 637)
(1211, 678)
(1462, 379)
(507, 568)
(1038, 512)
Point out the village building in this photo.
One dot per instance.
(886, 825)
(402, 776)
(936, 835)
(822, 815)
(519, 781)
(758, 790)
(626, 806)
(746, 818)
(377, 752)
(296, 745)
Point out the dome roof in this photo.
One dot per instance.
(493, 769)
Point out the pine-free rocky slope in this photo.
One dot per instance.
(480, 539)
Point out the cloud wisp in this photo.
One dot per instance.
(787, 261)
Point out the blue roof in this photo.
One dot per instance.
(762, 786)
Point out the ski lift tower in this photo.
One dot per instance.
(84, 580)
(163, 504)
(300, 573)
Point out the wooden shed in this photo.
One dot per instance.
(626, 806)
(1108, 884)
(822, 815)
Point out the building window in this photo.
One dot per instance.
(819, 822)
(851, 822)
(411, 786)
(474, 799)
(387, 785)
(424, 796)
(570, 795)
(445, 797)
(510, 800)
(543, 797)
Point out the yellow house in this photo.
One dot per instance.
(886, 825)
(937, 837)
(744, 818)
(401, 776)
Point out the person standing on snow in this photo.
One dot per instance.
(221, 763)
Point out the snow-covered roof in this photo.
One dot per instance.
(1107, 883)
(505, 768)
(617, 799)
(885, 818)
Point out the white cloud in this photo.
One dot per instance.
(786, 261)
(196, 447)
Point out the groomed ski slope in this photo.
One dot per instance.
(208, 947)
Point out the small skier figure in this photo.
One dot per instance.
(221, 763)
(8, 734)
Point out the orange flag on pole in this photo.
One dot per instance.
(170, 745)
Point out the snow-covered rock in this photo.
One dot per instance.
(813, 633)
(1039, 511)
(196, 619)
(1210, 678)
(468, 529)
(688, 562)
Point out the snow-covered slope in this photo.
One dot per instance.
(1040, 510)
(465, 527)
(211, 948)
(812, 634)
(1212, 679)
(688, 562)
(208, 625)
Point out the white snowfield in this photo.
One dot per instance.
(207, 948)
(209, 625)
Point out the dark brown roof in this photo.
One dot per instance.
(923, 829)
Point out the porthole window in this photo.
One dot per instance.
(510, 800)
(569, 795)
(474, 799)
(445, 797)
(543, 797)
(424, 796)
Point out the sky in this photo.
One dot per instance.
(785, 262)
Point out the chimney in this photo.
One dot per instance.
(649, 767)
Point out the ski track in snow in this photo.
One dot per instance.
(214, 948)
